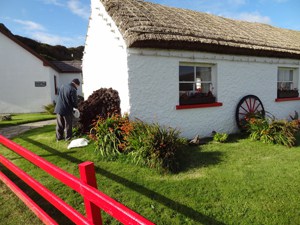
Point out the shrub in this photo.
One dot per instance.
(109, 134)
(144, 144)
(154, 146)
(275, 131)
(6, 117)
(101, 103)
(220, 137)
(49, 108)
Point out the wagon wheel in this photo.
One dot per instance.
(249, 106)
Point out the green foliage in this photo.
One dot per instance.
(273, 131)
(6, 117)
(155, 146)
(109, 134)
(49, 108)
(220, 137)
(145, 144)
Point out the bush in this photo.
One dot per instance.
(6, 117)
(275, 131)
(144, 144)
(49, 108)
(109, 134)
(220, 137)
(154, 146)
(101, 103)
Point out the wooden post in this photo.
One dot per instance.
(87, 175)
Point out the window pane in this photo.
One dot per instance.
(205, 88)
(186, 87)
(204, 73)
(280, 75)
(186, 73)
(285, 75)
(290, 75)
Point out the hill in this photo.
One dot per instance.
(49, 52)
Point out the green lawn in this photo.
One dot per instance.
(26, 118)
(240, 182)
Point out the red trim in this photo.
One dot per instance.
(286, 99)
(215, 104)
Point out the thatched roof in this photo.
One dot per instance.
(147, 25)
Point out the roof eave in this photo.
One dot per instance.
(213, 48)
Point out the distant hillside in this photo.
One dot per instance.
(49, 52)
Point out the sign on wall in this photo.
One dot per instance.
(40, 83)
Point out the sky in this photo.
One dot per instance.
(65, 22)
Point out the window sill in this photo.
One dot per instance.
(287, 99)
(208, 105)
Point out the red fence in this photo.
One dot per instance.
(94, 200)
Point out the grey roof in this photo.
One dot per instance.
(68, 66)
(148, 25)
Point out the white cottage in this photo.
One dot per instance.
(190, 70)
(28, 81)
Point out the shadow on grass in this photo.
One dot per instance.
(192, 157)
(59, 217)
(174, 205)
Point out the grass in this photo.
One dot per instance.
(240, 182)
(26, 118)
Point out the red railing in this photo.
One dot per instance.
(94, 200)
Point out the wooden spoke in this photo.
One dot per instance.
(249, 106)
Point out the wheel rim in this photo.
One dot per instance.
(249, 107)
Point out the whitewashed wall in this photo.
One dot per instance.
(148, 80)
(105, 59)
(19, 71)
(154, 89)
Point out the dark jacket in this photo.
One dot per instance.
(67, 100)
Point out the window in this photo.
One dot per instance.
(196, 84)
(287, 83)
(55, 86)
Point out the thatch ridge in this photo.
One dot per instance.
(149, 25)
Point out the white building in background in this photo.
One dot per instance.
(190, 70)
(28, 81)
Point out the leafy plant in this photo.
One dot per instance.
(49, 108)
(273, 131)
(109, 134)
(6, 117)
(155, 146)
(220, 137)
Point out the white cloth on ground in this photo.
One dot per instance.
(80, 142)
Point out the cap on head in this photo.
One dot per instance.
(76, 81)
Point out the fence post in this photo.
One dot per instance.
(87, 175)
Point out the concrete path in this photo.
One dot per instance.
(12, 131)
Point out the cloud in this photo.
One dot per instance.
(53, 2)
(30, 25)
(39, 33)
(237, 2)
(253, 17)
(75, 6)
(52, 39)
(78, 8)
(281, 1)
